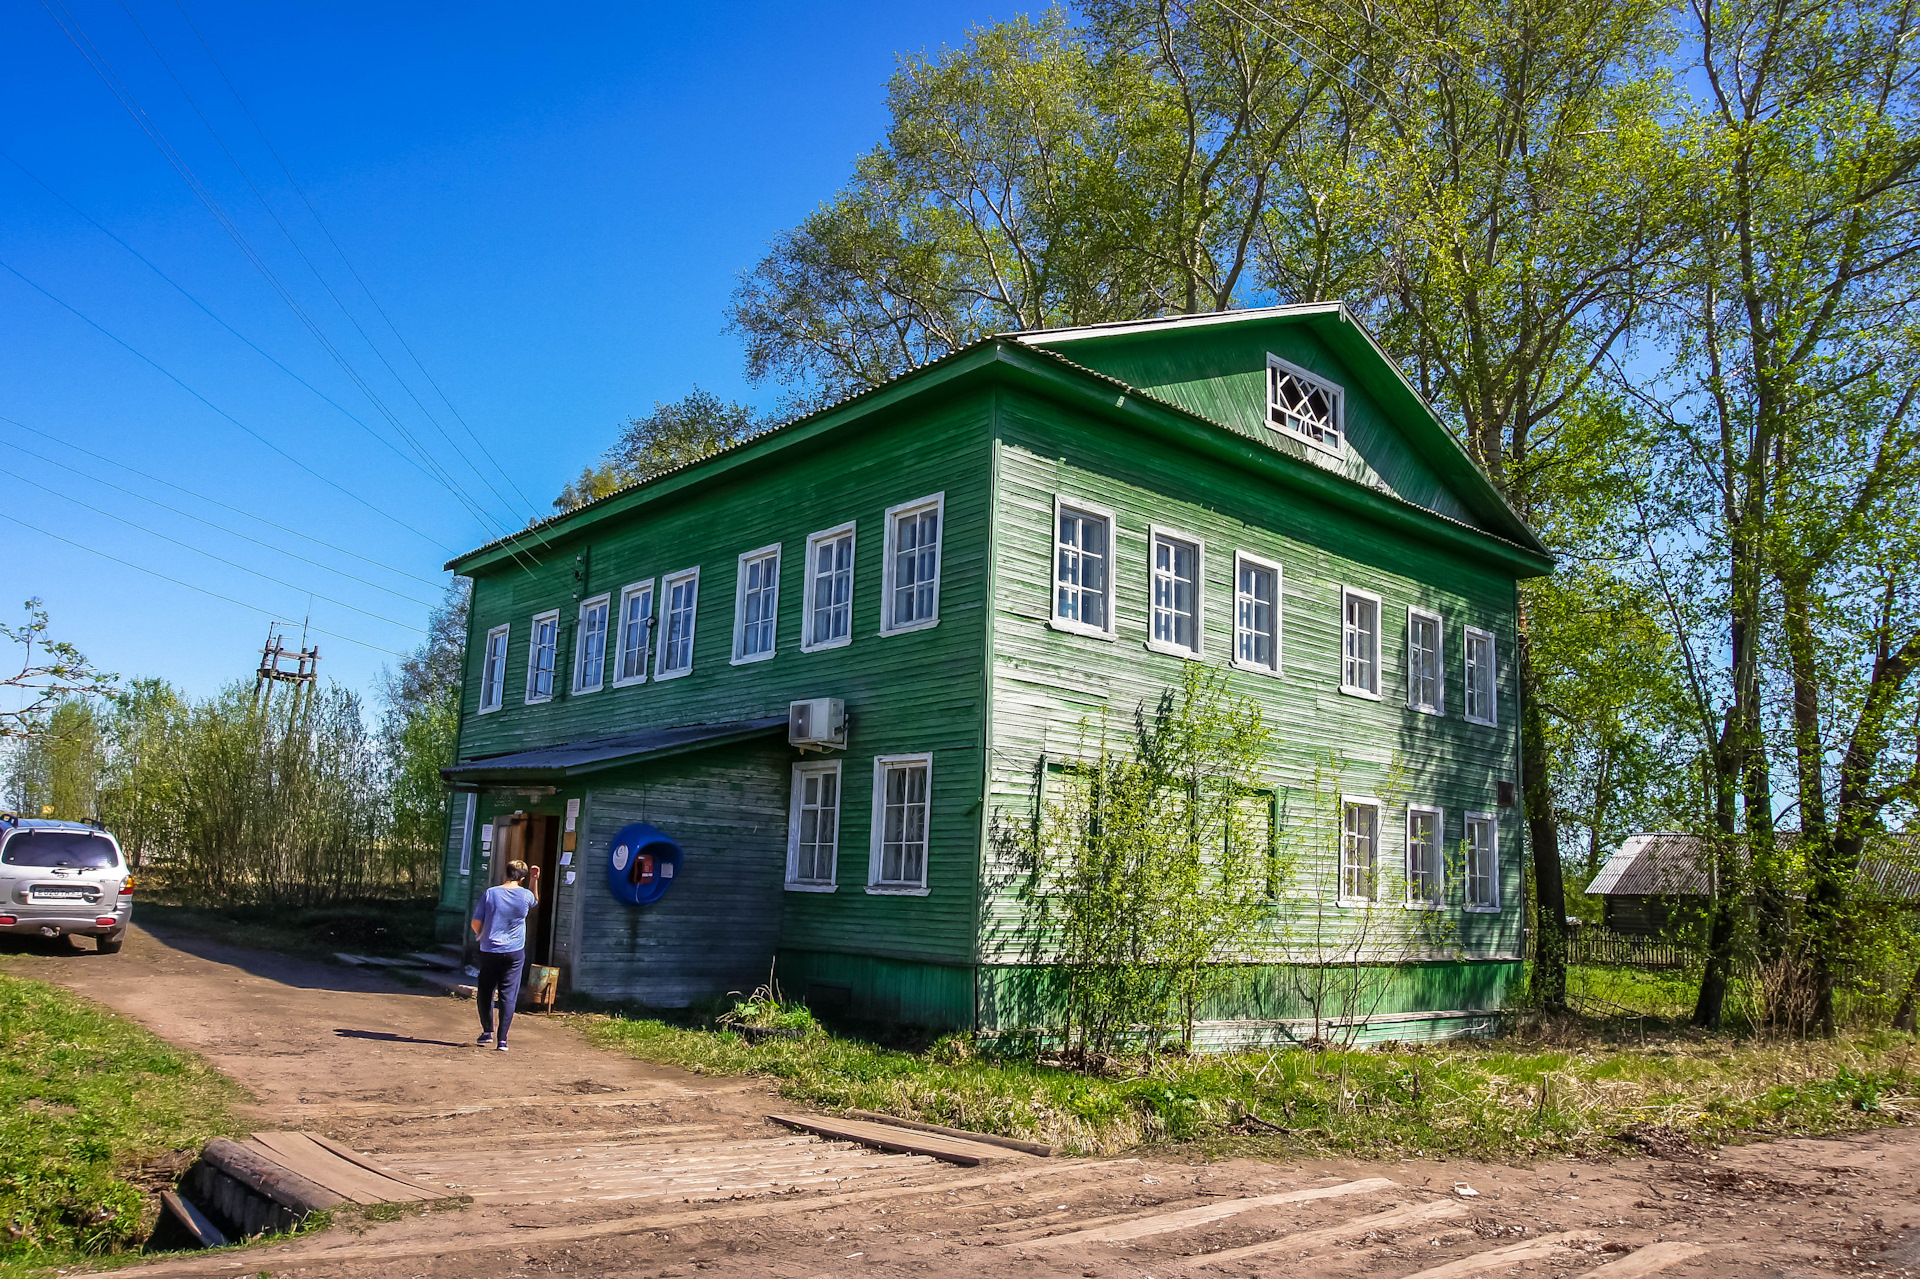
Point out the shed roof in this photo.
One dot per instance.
(1667, 864)
(552, 763)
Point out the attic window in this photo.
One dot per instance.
(1304, 405)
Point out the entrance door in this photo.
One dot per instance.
(533, 838)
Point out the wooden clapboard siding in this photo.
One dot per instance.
(1220, 373)
(1051, 687)
(918, 691)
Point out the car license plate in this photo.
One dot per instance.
(59, 894)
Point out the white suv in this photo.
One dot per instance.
(63, 879)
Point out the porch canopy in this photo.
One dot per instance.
(556, 763)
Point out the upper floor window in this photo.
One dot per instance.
(541, 651)
(1083, 569)
(1175, 594)
(829, 591)
(899, 854)
(1483, 862)
(1426, 685)
(590, 647)
(636, 633)
(493, 669)
(1304, 405)
(1426, 877)
(913, 565)
(1359, 850)
(1256, 614)
(680, 592)
(1480, 672)
(1359, 643)
(813, 826)
(756, 604)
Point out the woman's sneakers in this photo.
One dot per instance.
(500, 1047)
(486, 1037)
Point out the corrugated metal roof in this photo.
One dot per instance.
(575, 758)
(1666, 864)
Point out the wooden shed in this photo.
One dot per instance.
(972, 561)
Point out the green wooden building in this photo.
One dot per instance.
(974, 561)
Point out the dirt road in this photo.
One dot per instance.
(578, 1160)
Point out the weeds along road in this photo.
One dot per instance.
(580, 1160)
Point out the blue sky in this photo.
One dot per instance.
(549, 203)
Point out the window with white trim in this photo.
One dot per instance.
(1483, 862)
(756, 604)
(1359, 643)
(829, 590)
(1082, 569)
(1426, 874)
(466, 835)
(493, 669)
(1359, 850)
(590, 646)
(1426, 669)
(913, 565)
(1305, 405)
(1175, 570)
(813, 826)
(542, 650)
(636, 633)
(679, 593)
(1256, 614)
(1481, 705)
(898, 859)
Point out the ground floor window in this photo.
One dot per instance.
(899, 853)
(813, 825)
(1483, 862)
(1359, 848)
(1426, 880)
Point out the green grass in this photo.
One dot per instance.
(369, 928)
(91, 1106)
(1565, 1090)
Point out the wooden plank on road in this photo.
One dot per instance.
(300, 1153)
(1188, 1217)
(906, 1141)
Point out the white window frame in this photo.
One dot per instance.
(834, 534)
(1336, 394)
(1356, 690)
(1156, 533)
(619, 653)
(1493, 677)
(1492, 823)
(466, 835)
(1439, 704)
(1243, 560)
(1438, 851)
(491, 679)
(665, 626)
(741, 657)
(580, 686)
(816, 768)
(877, 837)
(1340, 885)
(533, 656)
(937, 503)
(1061, 505)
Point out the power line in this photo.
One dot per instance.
(210, 524)
(198, 497)
(104, 332)
(189, 585)
(221, 559)
(348, 263)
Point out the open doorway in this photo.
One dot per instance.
(533, 838)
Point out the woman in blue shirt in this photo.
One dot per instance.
(500, 922)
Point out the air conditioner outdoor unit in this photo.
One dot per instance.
(819, 723)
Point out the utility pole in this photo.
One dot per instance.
(274, 669)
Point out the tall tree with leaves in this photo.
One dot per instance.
(674, 434)
(50, 672)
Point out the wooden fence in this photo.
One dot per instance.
(1604, 946)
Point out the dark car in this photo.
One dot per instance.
(63, 879)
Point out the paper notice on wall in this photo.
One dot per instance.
(569, 877)
(486, 837)
(573, 814)
(566, 858)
